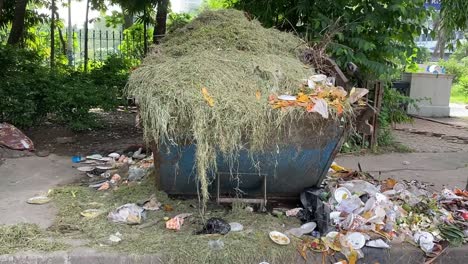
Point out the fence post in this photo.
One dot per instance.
(94, 44)
(107, 43)
(100, 44)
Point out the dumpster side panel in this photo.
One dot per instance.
(302, 163)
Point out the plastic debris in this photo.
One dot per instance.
(104, 186)
(136, 173)
(341, 194)
(378, 243)
(94, 157)
(425, 240)
(215, 226)
(236, 227)
(356, 94)
(114, 155)
(304, 229)
(216, 244)
(12, 138)
(321, 107)
(91, 213)
(176, 222)
(86, 168)
(152, 204)
(279, 238)
(293, 212)
(130, 214)
(249, 209)
(356, 240)
(41, 199)
(115, 238)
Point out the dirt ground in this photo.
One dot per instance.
(118, 132)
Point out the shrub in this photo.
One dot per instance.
(30, 91)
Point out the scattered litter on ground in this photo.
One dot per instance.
(115, 238)
(41, 199)
(293, 212)
(279, 238)
(236, 227)
(378, 243)
(152, 204)
(367, 212)
(12, 138)
(306, 228)
(131, 214)
(177, 221)
(92, 213)
(216, 244)
(215, 226)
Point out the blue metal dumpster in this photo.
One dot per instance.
(300, 161)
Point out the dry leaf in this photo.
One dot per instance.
(258, 95)
(207, 97)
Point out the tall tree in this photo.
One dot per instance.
(17, 28)
(377, 35)
(52, 34)
(86, 37)
(69, 37)
(1, 7)
(161, 20)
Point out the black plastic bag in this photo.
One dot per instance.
(315, 210)
(215, 226)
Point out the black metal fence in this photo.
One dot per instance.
(101, 44)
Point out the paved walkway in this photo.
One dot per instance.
(23, 178)
(458, 110)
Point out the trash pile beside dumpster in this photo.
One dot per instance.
(362, 211)
(108, 172)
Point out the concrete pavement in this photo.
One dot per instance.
(23, 178)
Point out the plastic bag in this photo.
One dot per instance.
(130, 214)
(215, 226)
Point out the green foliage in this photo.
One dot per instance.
(176, 21)
(458, 66)
(376, 35)
(423, 55)
(219, 4)
(133, 45)
(463, 83)
(393, 108)
(31, 92)
(454, 14)
(461, 52)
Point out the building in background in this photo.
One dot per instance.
(426, 41)
(185, 6)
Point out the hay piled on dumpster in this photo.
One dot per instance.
(209, 83)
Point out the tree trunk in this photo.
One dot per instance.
(145, 32)
(1, 7)
(61, 38)
(128, 20)
(70, 37)
(86, 37)
(17, 28)
(52, 35)
(161, 19)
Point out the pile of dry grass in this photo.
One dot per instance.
(240, 64)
